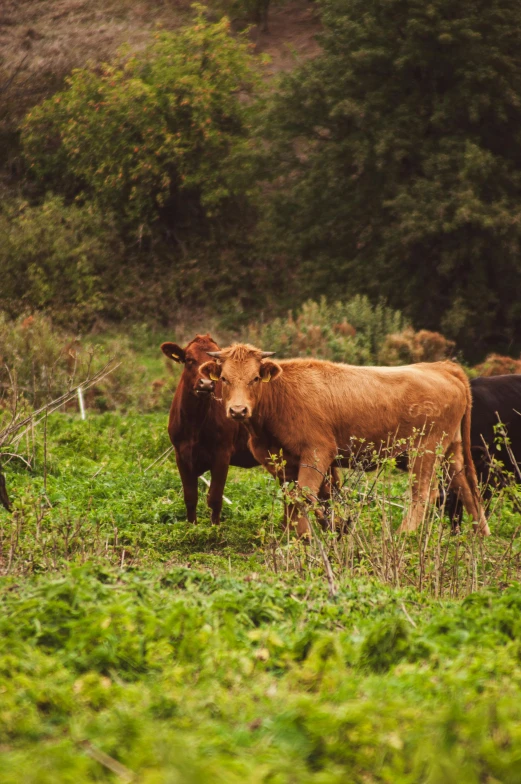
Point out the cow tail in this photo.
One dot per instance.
(470, 469)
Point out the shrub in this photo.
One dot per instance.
(56, 256)
(164, 132)
(242, 12)
(385, 645)
(497, 365)
(403, 348)
(45, 362)
(351, 331)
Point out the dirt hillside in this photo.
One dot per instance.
(41, 41)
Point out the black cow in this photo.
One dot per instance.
(4, 498)
(495, 399)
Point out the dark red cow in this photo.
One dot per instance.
(203, 437)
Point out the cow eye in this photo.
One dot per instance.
(257, 378)
(224, 380)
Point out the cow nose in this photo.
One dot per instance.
(238, 412)
(205, 385)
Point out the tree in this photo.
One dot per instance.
(162, 134)
(396, 161)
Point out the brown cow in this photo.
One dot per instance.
(318, 410)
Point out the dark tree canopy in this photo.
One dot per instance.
(405, 177)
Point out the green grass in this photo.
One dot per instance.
(180, 653)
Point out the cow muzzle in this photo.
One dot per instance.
(238, 412)
(204, 387)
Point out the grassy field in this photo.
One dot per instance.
(135, 647)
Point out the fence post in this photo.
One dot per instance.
(81, 402)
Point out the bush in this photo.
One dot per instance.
(404, 348)
(56, 256)
(497, 365)
(350, 331)
(45, 362)
(161, 133)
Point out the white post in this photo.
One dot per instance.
(207, 483)
(81, 402)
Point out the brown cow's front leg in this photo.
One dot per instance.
(219, 473)
(284, 470)
(313, 468)
(190, 490)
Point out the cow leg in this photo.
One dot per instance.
(190, 490)
(219, 473)
(313, 468)
(423, 468)
(331, 483)
(270, 460)
(453, 510)
(459, 483)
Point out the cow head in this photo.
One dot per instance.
(244, 371)
(192, 357)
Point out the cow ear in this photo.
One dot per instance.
(211, 370)
(269, 370)
(173, 351)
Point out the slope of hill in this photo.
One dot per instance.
(41, 41)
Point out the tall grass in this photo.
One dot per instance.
(356, 535)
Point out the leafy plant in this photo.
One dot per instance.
(57, 256)
(39, 362)
(351, 331)
(164, 133)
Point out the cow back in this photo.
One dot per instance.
(495, 399)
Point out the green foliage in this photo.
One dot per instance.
(40, 362)
(242, 12)
(56, 256)
(352, 331)
(405, 180)
(182, 675)
(177, 652)
(385, 645)
(160, 133)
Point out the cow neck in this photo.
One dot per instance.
(193, 408)
(278, 396)
(266, 407)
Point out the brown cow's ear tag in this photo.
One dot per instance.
(266, 379)
(213, 377)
